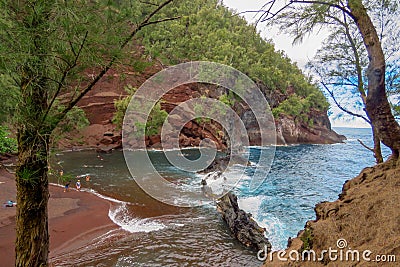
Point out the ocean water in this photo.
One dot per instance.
(155, 234)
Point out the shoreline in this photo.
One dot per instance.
(75, 218)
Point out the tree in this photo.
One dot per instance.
(47, 48)
(341, 62)
(301, 17)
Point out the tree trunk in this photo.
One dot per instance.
(32, 242)
(377, 105)
(377, 146)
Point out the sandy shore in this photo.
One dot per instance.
(75, 218)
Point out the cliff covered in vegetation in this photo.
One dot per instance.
(208, 31)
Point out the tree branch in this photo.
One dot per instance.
(364, 145)
(342, 8)
(161, 20)
(360, 83)
(65, 74)
(343, 108)
(265, 17)
(268, 15)
(144, 23)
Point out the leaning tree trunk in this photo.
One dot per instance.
(377, 105)
(377, 146)
(32, 242)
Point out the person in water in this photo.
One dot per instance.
(66, 188)
(78, 185)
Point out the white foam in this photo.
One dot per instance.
(275, 229)
(92, 166)
(54, 184)
(91, 191)
(251, 204)
(121, 217)
(104, 197)
(83, 175)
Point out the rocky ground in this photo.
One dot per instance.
(365, 218)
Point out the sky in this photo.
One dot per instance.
(299, 53)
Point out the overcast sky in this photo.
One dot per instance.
(299, 53)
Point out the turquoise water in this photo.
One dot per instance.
(156, 234)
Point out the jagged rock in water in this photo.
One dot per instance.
(241, 224)
(220, 164)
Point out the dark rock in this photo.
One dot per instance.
(175, 120)
(155, 139)
(290, 131)
(242, 225)
(104, 149)
(108, 134)
(221, 163)
(116, 138)
(106, 141)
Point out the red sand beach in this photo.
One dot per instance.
(74, 219)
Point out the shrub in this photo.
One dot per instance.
(7, 144)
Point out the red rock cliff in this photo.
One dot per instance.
(103, 134)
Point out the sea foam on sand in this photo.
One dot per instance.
(121, 217)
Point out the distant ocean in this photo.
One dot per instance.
(153, 234)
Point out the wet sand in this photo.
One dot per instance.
(75, 218)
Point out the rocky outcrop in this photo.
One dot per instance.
(241, 224)
(98, 105)
(365, 217)
(290, 131)
(220, 164)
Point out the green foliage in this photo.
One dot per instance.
(56, 52)
(299, 107)
(62, 179)
(74, 120)
(341, 63)
(121, 105)
(199, 113)
(211, 32)
(28, 176)
(307, 238)
(153, 124)
(155, 120)
(228, 99)
(10, 95)
(7, 144)
(396, 110)
(292, 106)
(48, 47)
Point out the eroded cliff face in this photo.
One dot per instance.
(103, 134)
(291, 131)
